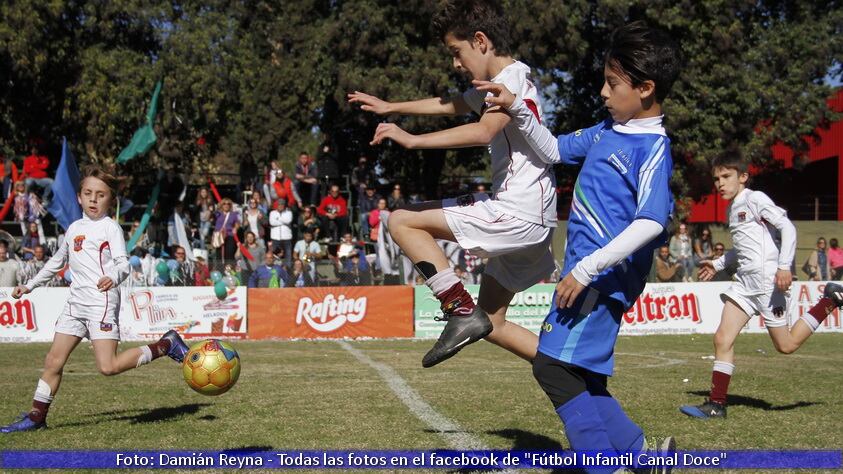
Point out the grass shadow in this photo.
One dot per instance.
(751, 402)
(526, 440)
(138, 415)
(164, 413)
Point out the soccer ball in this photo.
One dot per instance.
(211, 367)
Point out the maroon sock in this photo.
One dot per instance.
(719, 386)
(159, 348)
(822, 309)
(456, 301)
(39, 411)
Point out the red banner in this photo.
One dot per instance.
(330, 312)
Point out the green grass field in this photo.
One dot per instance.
(319, 395)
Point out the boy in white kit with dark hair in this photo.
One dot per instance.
(763, 279)
(515, 226)
(96, 252)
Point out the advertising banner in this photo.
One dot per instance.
(194, 311)
(145, 313)
(32, 317)
(663, 308)
(331, 312)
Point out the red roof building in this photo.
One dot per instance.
(811, 188)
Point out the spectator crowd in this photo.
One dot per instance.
(302, 227)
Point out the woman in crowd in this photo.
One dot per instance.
(681, 250)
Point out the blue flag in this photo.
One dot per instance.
(64, 206)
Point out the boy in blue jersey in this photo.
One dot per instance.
(621, 206)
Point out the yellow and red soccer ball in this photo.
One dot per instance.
(211, 367)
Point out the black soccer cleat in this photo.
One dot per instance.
(709, 409)
(834, 292)
(459, 332)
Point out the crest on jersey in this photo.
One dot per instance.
(741, 216)
(77, 242)
(465, 200)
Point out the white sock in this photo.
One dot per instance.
(442, 281)
(811, 321)
(724, 367)
(145, 357)
(43, 393)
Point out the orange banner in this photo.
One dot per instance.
(330, 312)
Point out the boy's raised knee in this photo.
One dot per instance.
(398, 219)
(108, 369)
(786, 347)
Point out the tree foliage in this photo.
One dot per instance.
(261, 79)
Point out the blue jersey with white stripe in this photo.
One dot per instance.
(625, 175)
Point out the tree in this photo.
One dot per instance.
(753, 71)
(259, 79)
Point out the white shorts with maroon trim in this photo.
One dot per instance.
(518, 251)
(93, 322)
(772, 305)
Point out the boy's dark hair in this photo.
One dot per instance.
(464, 18)
(642, 53)
(732, 161)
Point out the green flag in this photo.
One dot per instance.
(145, 137)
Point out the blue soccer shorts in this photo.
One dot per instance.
(583, 335)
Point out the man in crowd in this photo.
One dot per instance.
(368, 203)
(35, 170)
(667, 270)
(9, 269)
(307, 179)
(268, 275)
(308, 251)
(281, 231)
(334, 212)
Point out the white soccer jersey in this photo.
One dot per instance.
(93, 248)
(522, 183)
(753, 220)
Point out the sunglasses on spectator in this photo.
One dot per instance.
(719, 248)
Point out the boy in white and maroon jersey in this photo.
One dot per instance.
(762, 282)
(95, 250)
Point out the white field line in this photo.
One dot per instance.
(456, 437)
(660, 361)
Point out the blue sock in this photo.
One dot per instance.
(584, 427)
(624, 434)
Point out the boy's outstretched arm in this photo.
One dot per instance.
(473, 134)
(568, 149)
(709, 267)
(638, 234)
(432, 106)
(53, 266)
